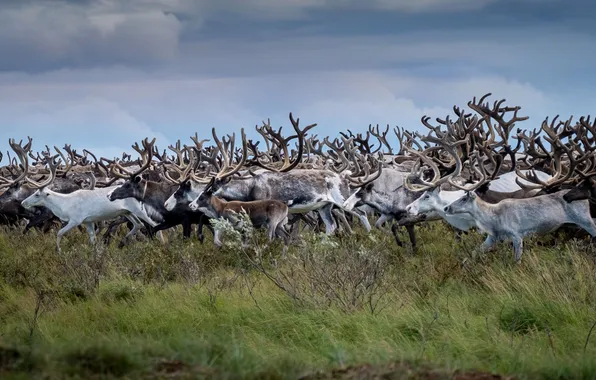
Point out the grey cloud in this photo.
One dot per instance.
(46, 36)
(519, 53)
(114, 113)
(90, 122)
(294, 8)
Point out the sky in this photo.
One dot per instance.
(103, 74)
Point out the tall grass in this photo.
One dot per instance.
(189, 309)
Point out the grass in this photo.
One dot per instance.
(334, 308)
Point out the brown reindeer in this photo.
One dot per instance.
(270, 213)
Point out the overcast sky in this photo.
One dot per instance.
(102, 74)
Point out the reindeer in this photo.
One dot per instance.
(308, 189)
(464, 138)
(84, 207)
(152, 195)
(515, 218)
(18, 190)
(392, 192)
(434, 199)
(270, 213)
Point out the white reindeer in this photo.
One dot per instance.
(85, 207)
(515, 218)
(435, 201)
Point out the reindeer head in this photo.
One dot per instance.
(179, 196)
(38, 198)
(203, 201)
(133, 188)
(586, 190)
(427, 202)
(463, 205)
(42, 193)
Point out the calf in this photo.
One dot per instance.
(271, 213)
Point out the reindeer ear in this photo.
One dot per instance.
(136, 179)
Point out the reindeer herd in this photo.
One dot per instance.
(475, 170)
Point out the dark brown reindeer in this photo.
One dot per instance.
(153, 195)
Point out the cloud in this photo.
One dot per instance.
(104, 74)
(99, 125)
(39, 36)
(52, 35)
(117, 114)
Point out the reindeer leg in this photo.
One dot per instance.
(91, 232)
(518, 246)
(207, 222)
(69, 226)
(394, 230)
(488, 243)
(216, 237)
(327, 216)
(293, 224)
(136, 228)
(160, 227)
(342, 219)
(112, 227)
(361, 215)
(186, 228)
(364, 220)
(200, 235)
(412, 234)
(244, 240)
(459, 234)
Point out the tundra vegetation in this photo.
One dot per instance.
(331, 298)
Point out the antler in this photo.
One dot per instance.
(68, 164)
(559, 149)
(182, 170)
(363, 175)
(53, 163)
(225, 170)
(478, 169)
(438, 179)
(21, 152)
(282, 143)
(146, 153)
(381, 136)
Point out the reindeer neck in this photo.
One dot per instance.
(151, 189)
(217, 203)
(58, 204)
(483, 210)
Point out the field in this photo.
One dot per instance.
(340, 307)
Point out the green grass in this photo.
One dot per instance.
(187, 309)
